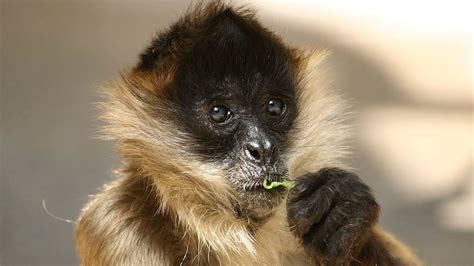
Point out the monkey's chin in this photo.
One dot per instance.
(260, 202)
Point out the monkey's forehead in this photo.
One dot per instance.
(217, 40)
(232, 48)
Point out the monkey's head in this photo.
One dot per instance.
(234, 93)
(217, 92)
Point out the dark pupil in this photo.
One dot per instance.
(219, 113)
(275, 107)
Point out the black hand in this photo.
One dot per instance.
(332, 212)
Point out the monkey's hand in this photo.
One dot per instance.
(332, 212)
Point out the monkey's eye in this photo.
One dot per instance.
(220, 114)
(275, 107)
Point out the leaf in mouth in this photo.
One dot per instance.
(287, 183)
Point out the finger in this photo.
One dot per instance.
(306, 185)
(322, 231)
(346, 238)
(315, 206)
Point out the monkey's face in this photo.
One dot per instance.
(234, 94)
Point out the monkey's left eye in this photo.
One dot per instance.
(276, 107)
(220, 114)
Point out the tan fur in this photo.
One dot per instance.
(169, 208)
(320, 133)
(397, 249)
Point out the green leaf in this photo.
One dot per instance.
(287, 183)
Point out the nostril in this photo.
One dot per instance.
(255, 154)
(273, 154)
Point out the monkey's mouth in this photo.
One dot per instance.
(257, 183)
(254, 198)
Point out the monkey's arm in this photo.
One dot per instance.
(116, 228)
(334, 215)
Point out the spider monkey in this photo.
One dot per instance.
(217, 105)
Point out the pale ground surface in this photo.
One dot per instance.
(410, 81)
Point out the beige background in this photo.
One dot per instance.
(411, 86)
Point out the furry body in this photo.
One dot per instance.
(188, 196)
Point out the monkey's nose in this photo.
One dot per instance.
(262, 152)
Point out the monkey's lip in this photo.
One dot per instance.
(258, 183)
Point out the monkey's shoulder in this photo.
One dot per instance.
(123, 220)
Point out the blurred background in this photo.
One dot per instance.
(405, 64)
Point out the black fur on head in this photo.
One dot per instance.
(233, 92)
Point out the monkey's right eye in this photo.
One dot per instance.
(220, 114)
